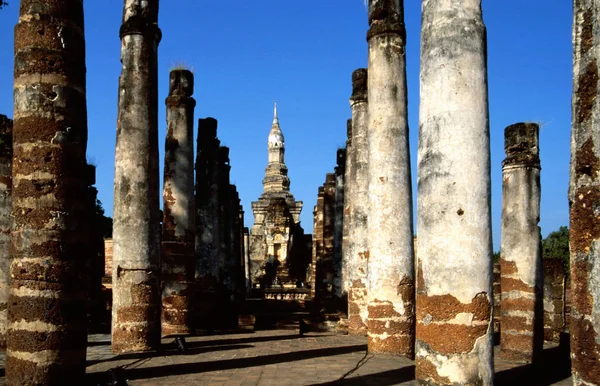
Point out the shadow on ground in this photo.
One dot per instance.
(554, 366)
(384, 378)
(195, 368)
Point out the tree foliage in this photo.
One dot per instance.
(556, 245)
(3, 4)
(104, 223)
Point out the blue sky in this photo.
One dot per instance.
(246, 54)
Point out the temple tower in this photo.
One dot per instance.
(276, 221)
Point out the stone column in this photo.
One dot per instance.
(390, 273)
(346, 242)
(318, 245)
(521, 321)
(338, 228)
(178, 260)
(454, 278)
(358, 194)
(554, 299)
(5, 220)
(247, 260)
(136, 227)
(208, 263)
(584, 196)
(47, 303)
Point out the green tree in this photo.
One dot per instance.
(556, 245)
(104, 223)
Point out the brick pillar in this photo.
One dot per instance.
(584, 196)
(554, 299)
(521, 336)
(47, 303)
(5, 220)
(178, 260)
(358, 195)
(454, 279)
(390, 273)
(136, 227)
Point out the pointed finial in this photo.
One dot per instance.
(275, 118)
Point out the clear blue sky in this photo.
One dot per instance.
(245, 54)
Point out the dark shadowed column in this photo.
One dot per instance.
(584, 196)
(338, 229)
(5, 220)
(521, 332)
(346, 242)
(391, 267)
(136, 227)
(178, 260)
(358, 194)
(454, 278)
(208, 264)
(47, 308)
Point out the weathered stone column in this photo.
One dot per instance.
(47, 305)
(136, 227)
(391, 265)
(338, 229)
(346, 242)
(179, 220)
(454, 278)
(521, 321)
(208, 263)
(5, 220)
(358, 194)
(584, 196)
(554, 299)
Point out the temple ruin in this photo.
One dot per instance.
(437, 301)
(276, 238)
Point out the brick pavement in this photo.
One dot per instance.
(282, 357)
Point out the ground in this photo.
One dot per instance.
(280, 357)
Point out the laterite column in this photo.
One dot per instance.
(358, 256)
(391, 273)
(522, 308)
(136, 226)
(584, 196)
(179, 219)
(454, 232)
(47, 304)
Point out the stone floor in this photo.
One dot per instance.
(282, 357)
